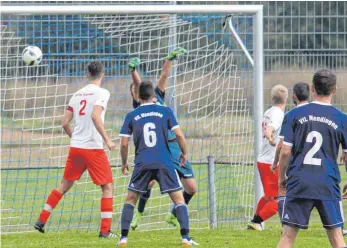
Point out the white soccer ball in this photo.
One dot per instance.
(32, 55)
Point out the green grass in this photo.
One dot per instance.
(24, 191)
(314, 237)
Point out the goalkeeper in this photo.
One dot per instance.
(186, 172)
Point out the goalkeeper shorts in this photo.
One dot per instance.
(186, 171)
(94, 160)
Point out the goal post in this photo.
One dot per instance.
(217, 88)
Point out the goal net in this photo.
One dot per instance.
(210, 90)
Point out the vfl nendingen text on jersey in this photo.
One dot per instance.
(138, 117)
(319, 119)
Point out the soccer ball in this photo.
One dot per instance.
(32, 55)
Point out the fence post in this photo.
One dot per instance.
(212, 192)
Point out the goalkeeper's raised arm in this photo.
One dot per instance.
(162, 83)
(165, 72)
(134, 87)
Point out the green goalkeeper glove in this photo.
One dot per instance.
(133, 63)
(176, 52)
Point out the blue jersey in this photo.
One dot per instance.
(315, 132)
(281, 135)
(160, 95)
(149, 124)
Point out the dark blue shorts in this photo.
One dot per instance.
(166, 177)
(186, 171)
(280, 203)
(297, 211)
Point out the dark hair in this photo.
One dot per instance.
(324, 82)
(146, 90)
(95, 69)
(301, 91)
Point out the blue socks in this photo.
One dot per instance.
(187, 197)
(183, 218)
(143, 200)
(127, 216)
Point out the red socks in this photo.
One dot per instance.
(260, 205)
(52, 201)
(106, 214)
(106, 210)
(269, 210)
(266, 208)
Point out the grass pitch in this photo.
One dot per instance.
(82, 209)
(314, 237)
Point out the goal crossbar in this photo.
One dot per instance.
(133, 9)
(255, 10)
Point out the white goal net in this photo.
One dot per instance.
(210, 90)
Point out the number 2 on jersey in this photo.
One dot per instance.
(149, 134)
(309, 159)
(84, 104)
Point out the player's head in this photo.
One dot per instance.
(301, 92)
(279, 94)
(146, 91)
(324, 82)
(132, 85)
(95, 71)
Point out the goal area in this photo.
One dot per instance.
(215, 90)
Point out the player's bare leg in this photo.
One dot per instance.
(189, 185)
(336, 237)
(106, 206)
(51, 202)
(288, 236)
(127, 215)
(64, 186)
(183, 218)
(141, 206)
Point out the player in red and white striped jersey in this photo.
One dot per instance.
(87, 108)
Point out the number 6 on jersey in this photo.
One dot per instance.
(149, 134)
